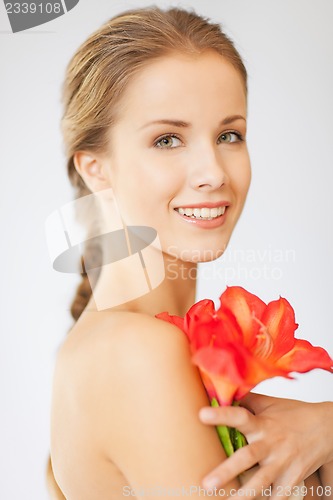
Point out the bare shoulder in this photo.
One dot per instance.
(139, 395)
(113, 336)
(106, 348)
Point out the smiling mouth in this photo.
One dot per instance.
(204, 213)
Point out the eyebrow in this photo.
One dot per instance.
(180, 123)
(232, 118)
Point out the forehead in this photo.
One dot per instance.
(188, 85)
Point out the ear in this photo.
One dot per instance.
(92, 170)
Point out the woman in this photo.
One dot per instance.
(155, 127)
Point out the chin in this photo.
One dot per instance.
(209, 255)
(197, 255)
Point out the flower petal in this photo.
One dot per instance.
(243, 305)
(202, 311)
(220, 368)
(279, 319)
(228, 328)
(202, 335)
(175, 320)
(305, 357)
(205, 327)
(257, 371)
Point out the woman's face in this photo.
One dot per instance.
(178, 159)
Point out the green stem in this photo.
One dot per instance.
(232, 439)
(238, 439)
(223, 433)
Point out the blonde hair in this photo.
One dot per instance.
(98, 74)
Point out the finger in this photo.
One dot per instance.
(231, 416)
(240, 461)
(290, 487)
(280, 491)
(256, 403)
(257, 483)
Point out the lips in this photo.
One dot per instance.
(207, 204)
(202, 213)
(206, 215)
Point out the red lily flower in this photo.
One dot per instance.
(245, 342)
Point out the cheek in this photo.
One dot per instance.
(144, 194)
(247, 180)
(241, 179)
(158, 185)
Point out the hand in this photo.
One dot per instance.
(289, 439)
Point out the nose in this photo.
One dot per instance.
(208, 170)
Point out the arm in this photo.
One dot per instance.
(290, 439)
(326, 476)
(150, 395)
(326, 470)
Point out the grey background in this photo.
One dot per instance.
(287, 46)
(24, 14)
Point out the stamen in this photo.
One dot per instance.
(212, 340)
(265, 342)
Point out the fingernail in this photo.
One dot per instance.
(206, 414)
(211, 482)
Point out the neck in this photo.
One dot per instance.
(129, 286)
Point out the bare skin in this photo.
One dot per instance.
(126, 397)
(108, 351)
(277, 447)
(103, 380)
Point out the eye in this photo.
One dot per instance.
(229, 137)
(168, 141)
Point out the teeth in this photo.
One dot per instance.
(202, 213)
